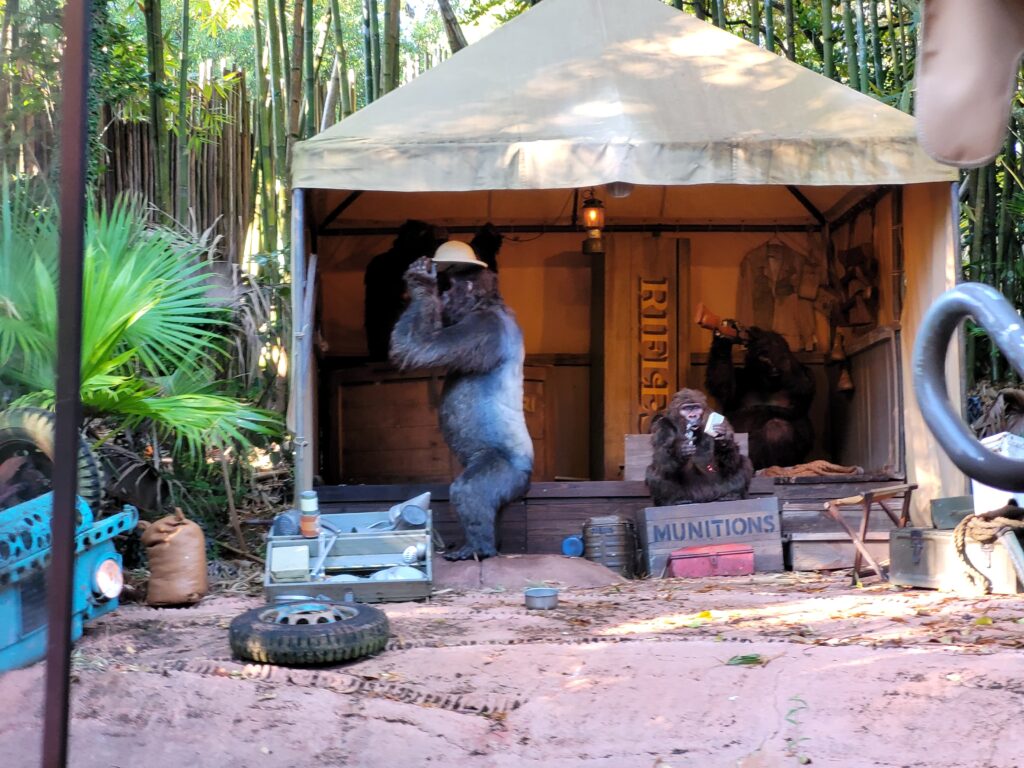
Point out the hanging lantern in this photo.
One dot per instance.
(593, 222)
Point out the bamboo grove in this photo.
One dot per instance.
(197, 103)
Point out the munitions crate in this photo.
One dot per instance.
(365, 561)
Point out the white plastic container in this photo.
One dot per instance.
(987, 498)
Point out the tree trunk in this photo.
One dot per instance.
(157, 107)
(456, 40)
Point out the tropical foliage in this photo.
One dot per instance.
(153, 335)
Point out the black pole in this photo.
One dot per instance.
(73, 142)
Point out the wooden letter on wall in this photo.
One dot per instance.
(655, 360)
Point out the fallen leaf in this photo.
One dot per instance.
(747, 660)
(704, 615)
(983, 620)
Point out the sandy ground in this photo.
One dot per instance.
(620, 674)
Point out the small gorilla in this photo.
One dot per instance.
(456, 319)
(689, 465)
(769, 398)
(384, 286)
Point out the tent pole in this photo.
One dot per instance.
(299, 357)
(60, 575)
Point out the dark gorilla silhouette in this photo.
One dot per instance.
(467, 328)
(769, 398)
(384, 284)
(486, 243)
(689, 465)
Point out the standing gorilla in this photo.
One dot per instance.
(769, 398)
(689, 465)
(456, 319)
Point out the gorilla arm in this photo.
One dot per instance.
(720, 377)
(421, 340)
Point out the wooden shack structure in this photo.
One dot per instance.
(704, 149)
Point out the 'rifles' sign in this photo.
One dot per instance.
(655, 357)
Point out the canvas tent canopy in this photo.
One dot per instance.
(718, 135)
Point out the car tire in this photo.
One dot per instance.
(31, 432)
(308, 632)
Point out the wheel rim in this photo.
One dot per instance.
(307, 613)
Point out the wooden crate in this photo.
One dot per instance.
(830, 551)
(749, 521)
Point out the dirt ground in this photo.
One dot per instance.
(763, 671)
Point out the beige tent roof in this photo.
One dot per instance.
(576, 93)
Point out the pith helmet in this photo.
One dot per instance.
(456, 253)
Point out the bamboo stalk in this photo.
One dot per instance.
(876, 46)
(894, 51)
(769, 25)
(368, 73)
(791, 35)
(375, 48)
(308, 108)
(342, 59)
(295, 82)
(852, 74)
(862, 50)
(755, 22)
(181, 206)
(268, 228)
(392, 12)
(826, 37)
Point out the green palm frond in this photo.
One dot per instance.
(151, 326)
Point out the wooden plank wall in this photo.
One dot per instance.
(387, 428)
(641, 337)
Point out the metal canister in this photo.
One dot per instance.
(309, 521)
(611, 541)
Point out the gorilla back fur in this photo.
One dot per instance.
(469, 330)
(769, 398)
(702, 470)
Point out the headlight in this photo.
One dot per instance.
(108, 579)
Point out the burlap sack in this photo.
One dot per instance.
(176, 549)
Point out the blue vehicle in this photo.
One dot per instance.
(25, 540)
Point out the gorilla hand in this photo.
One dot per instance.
(723, 431)
(421, 276)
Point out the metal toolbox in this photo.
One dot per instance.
(367, 561)
(924, 557)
